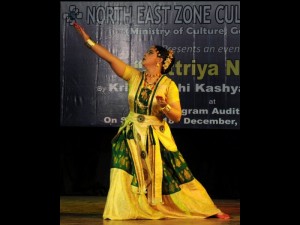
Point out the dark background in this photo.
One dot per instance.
(42, 160)
(212, 155)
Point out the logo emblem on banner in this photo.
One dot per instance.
(72, 15)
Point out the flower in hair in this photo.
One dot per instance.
(168, 59)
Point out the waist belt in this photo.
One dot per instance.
(144, 119)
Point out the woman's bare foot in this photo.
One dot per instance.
(222, 215)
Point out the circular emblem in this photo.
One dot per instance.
(140, 118)
(123, 122)
(162, 128)
(143, 154)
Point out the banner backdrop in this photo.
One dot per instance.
(205, 37)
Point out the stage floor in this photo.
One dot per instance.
(87, 210)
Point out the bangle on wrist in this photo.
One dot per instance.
(167, 108)
(90, 43)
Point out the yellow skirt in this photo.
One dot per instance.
(148, 181)
(123, 202)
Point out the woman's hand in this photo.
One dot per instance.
(161, 101)
(115, 63)
(81, 31)
(172, 111)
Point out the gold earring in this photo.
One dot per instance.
(157, 64)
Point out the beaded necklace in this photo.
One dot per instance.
(151, 85)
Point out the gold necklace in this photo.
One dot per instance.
(152, 75)
(149, 85)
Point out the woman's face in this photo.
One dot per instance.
(150, 57)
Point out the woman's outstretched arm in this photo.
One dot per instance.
(117, 65)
